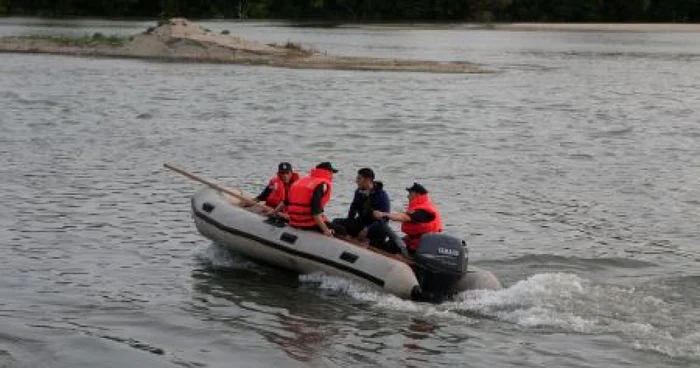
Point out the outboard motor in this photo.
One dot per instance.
(441, 261)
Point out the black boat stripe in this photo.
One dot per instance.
(295, 252)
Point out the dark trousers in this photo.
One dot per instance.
(377, 232)
(347, 226)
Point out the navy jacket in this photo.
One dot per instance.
(363, 204)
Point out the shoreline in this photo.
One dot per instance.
(327, 63)
(420, 25)
(179, 40)
(535, 27)
(601, 27)
(12, 46)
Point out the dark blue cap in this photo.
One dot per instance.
(284, 167)
(417, 188)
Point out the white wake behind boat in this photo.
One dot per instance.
(439, 271)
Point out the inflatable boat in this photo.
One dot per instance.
(437, 270)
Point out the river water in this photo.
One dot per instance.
(573, 172)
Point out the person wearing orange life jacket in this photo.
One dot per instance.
(277, 190)
(421, 217)
(308, 198)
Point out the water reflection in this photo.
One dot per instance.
(307, 339)
(420, 329)
(420, 334)
(308, 323)
(269, 302)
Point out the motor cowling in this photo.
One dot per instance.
(441, 261)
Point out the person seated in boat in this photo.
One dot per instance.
(421, 217)
(307, 199)
(277, 189)
(369, 196)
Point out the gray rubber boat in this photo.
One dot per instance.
(443, 270)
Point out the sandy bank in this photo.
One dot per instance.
(182, 41)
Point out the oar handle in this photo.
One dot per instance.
(211, 183)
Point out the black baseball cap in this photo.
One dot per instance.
(326, 166)
(284, 167)
(417, 188)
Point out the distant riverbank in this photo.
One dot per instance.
(600, 27)
(627, 11)
(180, 40)
(539, 27)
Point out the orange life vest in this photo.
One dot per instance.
(301, 193)
(279, 191)
(414, 230)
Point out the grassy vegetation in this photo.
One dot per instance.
(294, 46)
(95, 40)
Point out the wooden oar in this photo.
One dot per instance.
(213, 184)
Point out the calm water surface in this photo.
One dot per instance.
(574, 172)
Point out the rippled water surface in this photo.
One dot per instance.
(574, 172)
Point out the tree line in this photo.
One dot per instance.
(372, 10)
